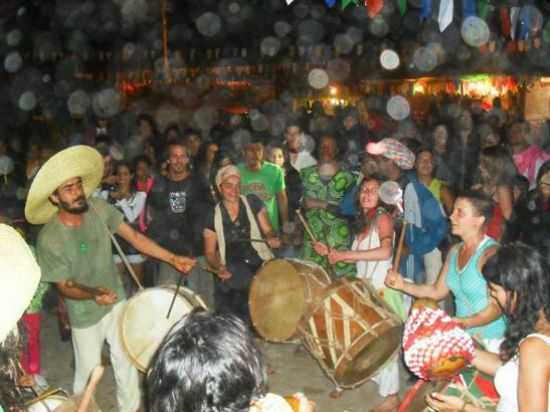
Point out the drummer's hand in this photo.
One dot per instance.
(336, 256)
(462, 322)
(274, 242)
(444, 403)
(26, 380)
(321, 248)
(224, 274)
(107, 297)
(183, 263)
(394, 279)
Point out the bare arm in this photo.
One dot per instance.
(534, 375)
(311, 203)
(211, 254)
(437, 291)
(486, 362)
(101, 296)
(267, 229)
(448, 199)
(153, 249)
(282, 201)
(505, 199)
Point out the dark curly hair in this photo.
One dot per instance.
(522, 272)
(207, 363)
(362, 221)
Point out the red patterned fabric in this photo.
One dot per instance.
(431, 335)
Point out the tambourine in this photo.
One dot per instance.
(434, 345)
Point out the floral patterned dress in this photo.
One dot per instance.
(328, 227)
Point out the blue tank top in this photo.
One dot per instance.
(471, 291)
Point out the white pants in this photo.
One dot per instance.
(87, 344)
(388, 378)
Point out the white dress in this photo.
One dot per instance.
(375, 271)
(506, 378)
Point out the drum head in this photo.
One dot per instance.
(279, 296)
(143, 324)
(48, 404)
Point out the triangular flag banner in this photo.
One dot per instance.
(374, 7)
(426, 10)
(505, 25)
(346, 3)
(446, 13)
(330, 3)
(402, 6)
(289, 2)
(514, 19)
(483, 8)
(468, 8)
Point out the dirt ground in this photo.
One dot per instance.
(293, 370)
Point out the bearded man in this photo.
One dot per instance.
(74, 251)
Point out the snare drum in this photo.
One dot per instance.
(351, 331)
(281, 293)
(143, 324)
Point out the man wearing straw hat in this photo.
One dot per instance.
(75, 252)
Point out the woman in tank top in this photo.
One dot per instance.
(461, 273)
(372, 251)
(519, 282)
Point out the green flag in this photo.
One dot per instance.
(483, 8)
(402, 6)
(346, 3)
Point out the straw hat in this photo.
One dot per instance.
(19, 277)
(77, 161)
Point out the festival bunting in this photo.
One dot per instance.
(446, 12)
(374, 7)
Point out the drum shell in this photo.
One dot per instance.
(351, 332)
(281, 293)
(143, 324)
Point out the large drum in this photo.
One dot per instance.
(281, 293)
(57, 401)
(351, 331)
(143, 324)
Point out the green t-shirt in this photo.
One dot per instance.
(84, 255)
(266, 183)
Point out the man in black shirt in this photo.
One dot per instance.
(177, 207)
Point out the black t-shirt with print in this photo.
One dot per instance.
(177, 210)
(236, 233)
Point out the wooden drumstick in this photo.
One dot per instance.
(178, 286)
(95, 377)
(306, 225)
(397, 258)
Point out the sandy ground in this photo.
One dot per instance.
(293, 370)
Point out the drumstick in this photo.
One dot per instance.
(93, 291)
(95, 377)
(174, 297)
(397, 259)
(306, 226)
(119, 249)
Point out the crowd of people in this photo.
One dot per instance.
(215, 207)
